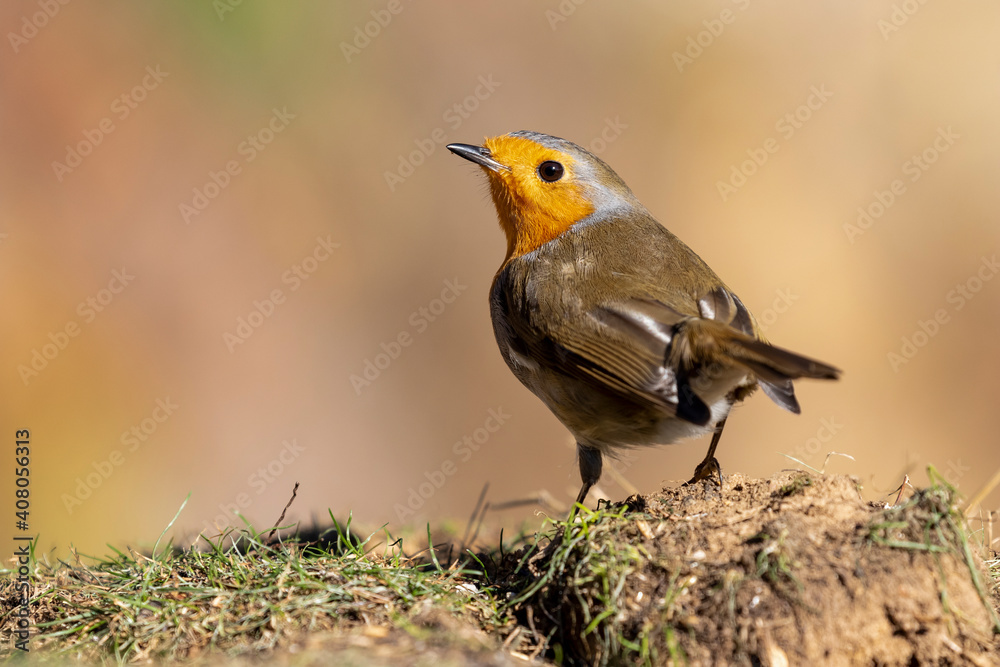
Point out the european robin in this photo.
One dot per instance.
(622, 330)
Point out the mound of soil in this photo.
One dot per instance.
(791, 570)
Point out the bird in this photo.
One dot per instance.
(621, 329)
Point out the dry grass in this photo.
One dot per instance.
(669, 578)
(245, 600)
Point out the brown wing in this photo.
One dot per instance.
(646, 350)
(646, 345)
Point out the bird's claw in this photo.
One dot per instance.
(709, 469)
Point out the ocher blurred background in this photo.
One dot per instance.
(325, 131)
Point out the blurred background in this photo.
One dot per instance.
(235, 254)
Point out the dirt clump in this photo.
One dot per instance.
(792, 570)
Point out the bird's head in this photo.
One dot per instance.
(543, 185)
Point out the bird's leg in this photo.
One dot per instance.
(710, 465)
(591, 463)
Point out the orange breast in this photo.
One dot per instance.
(531, 211)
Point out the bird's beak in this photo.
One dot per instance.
(479, 155)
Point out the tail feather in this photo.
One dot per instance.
(702, 342)
(774, 363)
(782, 393)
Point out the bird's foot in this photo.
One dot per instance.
(709, 469)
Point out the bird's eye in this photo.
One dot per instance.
(550, 171)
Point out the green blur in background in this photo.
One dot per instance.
(235, 254)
